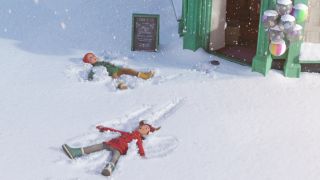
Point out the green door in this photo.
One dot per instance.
(195, 24)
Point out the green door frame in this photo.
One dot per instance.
(292, 67)
(262, 61)
(195, 24)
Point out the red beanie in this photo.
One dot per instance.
(85, 58)
(152, 129)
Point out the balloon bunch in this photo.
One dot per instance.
(284, 24)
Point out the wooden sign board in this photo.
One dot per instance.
(145, 32)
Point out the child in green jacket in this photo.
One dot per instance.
(113, 70)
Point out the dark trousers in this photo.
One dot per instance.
(115, 154)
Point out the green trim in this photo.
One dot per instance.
(292, 67)
(205, 28)
(309, 62)
(262, 62)
(195, 24)
(190, 36)
(157, 16)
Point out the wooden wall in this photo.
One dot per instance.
(312, 26)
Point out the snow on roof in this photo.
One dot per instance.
(310, 52)
(271, 13)
(301, 6)
(284, 2)
(288, 17)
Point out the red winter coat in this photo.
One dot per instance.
(121, 143)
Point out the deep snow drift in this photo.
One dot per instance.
(222, 122)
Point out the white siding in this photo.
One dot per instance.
(312, 26)
(218, 21)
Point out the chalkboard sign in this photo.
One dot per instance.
(145, 32)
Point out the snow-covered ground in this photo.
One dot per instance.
(222, 122)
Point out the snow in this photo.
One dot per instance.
(177, 5)
(310, 52)
(288, 17)
(297, 27)
(301, 6)
(284, 2)
(217, 122)
(270, 13)
(276, 28)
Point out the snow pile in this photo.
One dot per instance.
(155, 146)
(205, 68)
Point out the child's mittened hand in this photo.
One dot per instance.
(100, 128)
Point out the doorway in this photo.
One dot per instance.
(241, 30)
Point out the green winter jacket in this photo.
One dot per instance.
(110, 68)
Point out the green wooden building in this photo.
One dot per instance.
(233, 29)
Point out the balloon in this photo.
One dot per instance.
(275, 33)
(287, 23)
(284, 7)
(270, 18)
(277, 48)
(295, 34)
(300, 12)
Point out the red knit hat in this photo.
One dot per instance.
(152, 129)
(85, 58)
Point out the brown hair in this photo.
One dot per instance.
(152, 129)
(85, 58)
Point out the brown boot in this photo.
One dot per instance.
(122, 86)
(107, 171)
(146, 75)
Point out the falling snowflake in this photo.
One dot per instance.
(63, 25)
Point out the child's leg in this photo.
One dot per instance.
(72, 152)
(127, 71)
(94, 148)
(115, 155)
(142, 75)
(78, 152)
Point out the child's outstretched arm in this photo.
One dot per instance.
(140, 147)
(102, 129)
(90, 75)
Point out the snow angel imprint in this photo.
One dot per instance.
(117, 146)
(113, 70)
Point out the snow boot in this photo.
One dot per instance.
(122, 86)
(107, 171)
(146, 75)
(72, 152)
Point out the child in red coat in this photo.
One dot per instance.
(118, 146)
